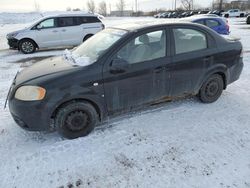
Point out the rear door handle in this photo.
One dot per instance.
(207, 59)
(63, 30)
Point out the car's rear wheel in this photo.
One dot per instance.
(27, 46)
(76, 119)
(248, 20)
(211, 89)
(87, 37)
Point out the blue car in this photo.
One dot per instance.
(218, 24)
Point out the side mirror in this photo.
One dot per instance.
(119, 65)
(39, 27)
(119, 62)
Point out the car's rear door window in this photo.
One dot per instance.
(189, 40)
(200, 22)
(66, 21)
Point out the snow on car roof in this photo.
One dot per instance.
(68, 13)
(148, 24)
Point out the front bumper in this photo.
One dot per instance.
(32, 116)
(13, 43)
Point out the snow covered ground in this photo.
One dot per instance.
(182, 144)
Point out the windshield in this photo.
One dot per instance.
(94, 47)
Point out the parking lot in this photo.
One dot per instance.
(179, 144)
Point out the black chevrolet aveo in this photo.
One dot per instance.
(122, 69)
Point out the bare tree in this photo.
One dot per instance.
(91, 6)
(120, 6)
(36, 6)
(103, 8)
(220, 4)
(187, 4)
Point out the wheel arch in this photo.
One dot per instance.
(64, 103)
(26, 38)
(87, 36)
(222, 71)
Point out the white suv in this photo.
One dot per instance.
(55, 31)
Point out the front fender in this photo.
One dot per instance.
(77, 92)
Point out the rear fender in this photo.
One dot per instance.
(217, 69)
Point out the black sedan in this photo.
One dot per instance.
(121, 69)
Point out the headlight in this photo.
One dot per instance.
(12, 35)
(30, 93)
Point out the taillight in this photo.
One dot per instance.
(241, 54)
(103, 26)
(227, 26)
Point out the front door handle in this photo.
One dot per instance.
(54, 31)
(159, 69)
(115, 70)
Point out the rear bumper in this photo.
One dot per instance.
(235, 71)
(13, 43)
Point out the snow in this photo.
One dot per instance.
(183, 144)
(76, 60)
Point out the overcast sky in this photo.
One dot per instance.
(50, 5)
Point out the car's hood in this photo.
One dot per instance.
(17, 31)
(43, 68)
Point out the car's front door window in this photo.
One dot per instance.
(145, 47)
(49, 23)
(212, 23)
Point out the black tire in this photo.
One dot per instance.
(87, 37)
(226, 15)
(27, 46)
(211, 89)
(248, 20)
(242, 15)
(76, 119)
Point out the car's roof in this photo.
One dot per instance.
(150, 24)
(205, 15)
(67, 14)
(193, 18)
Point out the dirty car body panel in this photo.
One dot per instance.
(114, 86)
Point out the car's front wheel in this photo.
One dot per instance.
(27, 46)
(211, 89)
(76, 119)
